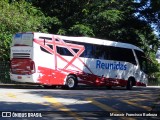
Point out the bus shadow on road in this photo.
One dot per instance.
(30, 86)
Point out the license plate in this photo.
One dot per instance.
(19, 77)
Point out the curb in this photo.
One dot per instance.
(21, 86)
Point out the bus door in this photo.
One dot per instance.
(142, 70)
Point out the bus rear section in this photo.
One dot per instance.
(22, 66)
(34, 63)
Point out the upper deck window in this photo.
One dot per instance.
(22, 39)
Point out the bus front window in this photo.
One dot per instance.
(142, 61)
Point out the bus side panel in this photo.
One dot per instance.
(44, 63)
(112, 72)
(141, 78)
(50, 76)
(68, 63)
(49, 70)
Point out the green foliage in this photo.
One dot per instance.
(81, 30)
(108, 16)
(18, 17)
(153, 68)
(5, 39)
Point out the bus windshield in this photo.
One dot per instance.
(22, 39)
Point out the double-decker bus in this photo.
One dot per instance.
(55, 60)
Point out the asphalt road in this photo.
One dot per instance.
(85, 103)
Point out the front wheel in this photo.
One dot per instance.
(129, 84)
(71, 82)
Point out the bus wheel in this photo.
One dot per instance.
(71, 82)
(129, 84)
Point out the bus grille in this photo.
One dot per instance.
(21, 55)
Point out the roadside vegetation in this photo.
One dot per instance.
(131, 21)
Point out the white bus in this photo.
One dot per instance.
(54, 60)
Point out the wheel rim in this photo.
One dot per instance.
(70, 82)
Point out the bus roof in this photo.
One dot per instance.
(90, 40)
(100, 42)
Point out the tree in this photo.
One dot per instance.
(108, 19)
(16, 17)
(150, 11)
(69, 13)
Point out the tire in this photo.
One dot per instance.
(129, 84)
(71, 82)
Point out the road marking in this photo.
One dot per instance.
(61, 107)
(137, 105)
(11, 95)
(107, 108)
(139, 99)
(132, 102)
(18, 97)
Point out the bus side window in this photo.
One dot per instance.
(88, 52)
(97, 52)
(46, 38)
(64, 51)
(122, 54)
(44, 50)
(50, 46)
